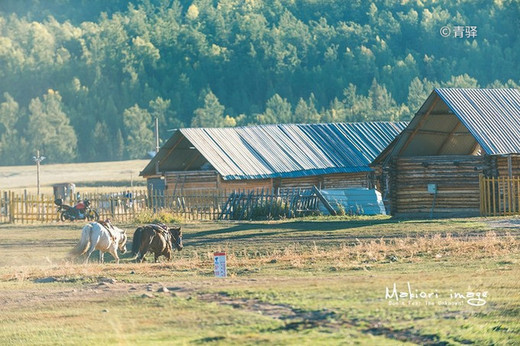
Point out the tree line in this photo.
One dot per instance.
(84, 80)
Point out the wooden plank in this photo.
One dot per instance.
(323, 200)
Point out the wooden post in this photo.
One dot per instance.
(517, 195)
(488, 197)
(483, 195)
(494, 195)
(510, 182)
(38, 159)
(11, 207)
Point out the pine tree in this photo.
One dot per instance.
(139, 135)
(277, 111)
(13, 148)
(211, 114)
(305, 111)
(49, 130)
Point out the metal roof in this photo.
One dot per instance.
(492, 116)
(457, 121)
(283, 150)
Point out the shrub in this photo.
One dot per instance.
(162, 216)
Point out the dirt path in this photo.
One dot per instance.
(512, 225)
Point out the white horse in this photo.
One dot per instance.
(105, 239)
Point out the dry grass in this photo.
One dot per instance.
(18, 178)
(436, 247)
(361, 254)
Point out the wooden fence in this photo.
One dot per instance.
(499, 196)
(266, 204)
(203, 205)
(26, 208)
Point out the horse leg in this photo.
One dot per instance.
(101, 256)
(143, 250)
(93, 242)
(113, 251)
(164, 247)
(90, 251)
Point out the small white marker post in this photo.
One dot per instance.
(220, 264)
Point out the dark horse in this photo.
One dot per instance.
(156, 238)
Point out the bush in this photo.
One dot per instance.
(162, 216)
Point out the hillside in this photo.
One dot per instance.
(84, 80)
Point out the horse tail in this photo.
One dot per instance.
(82, 245)
(136, 241)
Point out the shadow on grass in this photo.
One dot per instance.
(306, 230)
(316, 230)
(300, 226)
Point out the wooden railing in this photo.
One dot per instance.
(499, 196)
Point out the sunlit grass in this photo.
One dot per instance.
(319, 281)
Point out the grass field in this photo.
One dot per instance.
(323, 281)
(84, 175)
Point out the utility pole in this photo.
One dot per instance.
(156, 135)
(38, 159)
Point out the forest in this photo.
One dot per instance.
(84, 80)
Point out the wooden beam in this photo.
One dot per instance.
(509, 167)
(172, 149)
(192, 160)
(474, 149)
(449, 137)
(323, 200)
(421, 122)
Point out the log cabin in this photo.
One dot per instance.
(272, 157)
(458, 135)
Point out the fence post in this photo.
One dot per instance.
(11, 207)
(482, 187)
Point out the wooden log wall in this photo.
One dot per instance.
(301, 182)
(328, 181)
(457, 179)
(249, 184)
(196, 181)
(502, 166)
(347, 180)
(177, 182)
(192, 181)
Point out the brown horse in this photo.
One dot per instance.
(156, 238)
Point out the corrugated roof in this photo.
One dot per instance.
(457, 121)
(491, 115)
(284, 150)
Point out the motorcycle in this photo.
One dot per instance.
(80, 211)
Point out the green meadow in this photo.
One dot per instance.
(312, 281)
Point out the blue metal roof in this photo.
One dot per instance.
(289, 150)
(492, 116)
